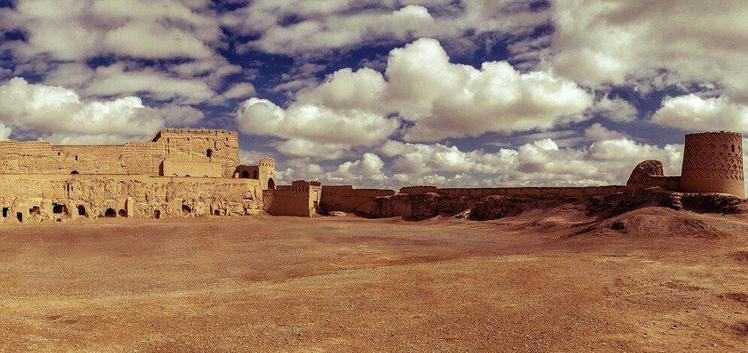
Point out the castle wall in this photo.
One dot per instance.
(201, 145)
(57, 197)
(192, 169)
(417, 190)
(346, 199)
(669, 183)
(39, 157)
(541, 192)
(196, 146)
(301, 198)
(713, 162)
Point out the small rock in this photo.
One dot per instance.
(618, 225)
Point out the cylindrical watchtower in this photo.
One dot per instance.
(713, 162)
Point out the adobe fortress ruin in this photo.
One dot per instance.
(179, 172)
(194, 172)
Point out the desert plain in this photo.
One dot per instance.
(555, 280)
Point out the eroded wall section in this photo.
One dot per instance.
(30, 198)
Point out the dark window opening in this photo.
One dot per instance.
(271, 183)
(57, 208)
(19, 216)
(5, 212)
(75, 172)
(245, 174)
(217, 213)
(110, 212)
(82, 210)
(186, 209)
(122, 213)
(187, 175)
(157, 214)
(733, 148)
(35, 210)
(76, 157)
(209, 153)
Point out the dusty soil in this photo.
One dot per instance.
(545, 281)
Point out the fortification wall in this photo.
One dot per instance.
(713, 162)
(346, 199)
(34, 198)
(192, 169)
(417, 190)
(292, 202)
(39, 157)
(536, 192)
(218, 147)
(201, 145)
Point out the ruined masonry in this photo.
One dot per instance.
(180, 172)
(195, 172)
(712, 163)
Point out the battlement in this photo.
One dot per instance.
(183, 132)
(418, 189)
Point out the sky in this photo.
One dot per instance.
(386, 93)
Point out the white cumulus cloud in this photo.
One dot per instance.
(694, 113)
(59, 114)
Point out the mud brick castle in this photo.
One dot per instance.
(180, 172)
(196, 172)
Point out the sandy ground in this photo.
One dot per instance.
(277, 284)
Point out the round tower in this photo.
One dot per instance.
(713, 162)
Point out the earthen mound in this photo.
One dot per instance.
(653, 222)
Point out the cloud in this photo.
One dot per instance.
(119, 80)
(541, 162)
(239, 90)
(597, 132)
(626, 42)
(313, 123)
(694, 113)
(59, 114)
(616, 109)
(438, 100)
(450, 100)
(250, 157)
(4, 132)
(366, 169)
(298, 147)
(81, 29)
(312, 27)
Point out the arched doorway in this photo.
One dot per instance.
(245, 174)
(110, 212)
(271, 183)
(75, 172)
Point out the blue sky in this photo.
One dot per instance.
(385, 93)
